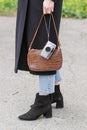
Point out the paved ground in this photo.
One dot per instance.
(17, 91)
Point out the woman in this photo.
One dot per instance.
(28, 16)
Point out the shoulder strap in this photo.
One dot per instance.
(34, 36)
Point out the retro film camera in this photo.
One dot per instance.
(48, 50)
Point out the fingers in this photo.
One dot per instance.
(48, 7)
(47, 11)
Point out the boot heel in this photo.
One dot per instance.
(48, 114)
(59, 104)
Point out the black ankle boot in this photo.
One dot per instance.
(57, 97)
(42, 106)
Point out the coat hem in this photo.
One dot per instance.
(36, 73)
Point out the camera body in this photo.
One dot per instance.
(48, 50)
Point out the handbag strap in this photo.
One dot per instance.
(34, 36)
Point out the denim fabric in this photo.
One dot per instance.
(47, 82)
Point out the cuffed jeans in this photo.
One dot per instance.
(47, 82)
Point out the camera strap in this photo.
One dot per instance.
(35, 34)
(47, 27)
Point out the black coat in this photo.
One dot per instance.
(28, 16)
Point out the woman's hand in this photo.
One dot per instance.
(48, 6)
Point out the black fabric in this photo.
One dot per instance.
(54, 0)
(28, 16)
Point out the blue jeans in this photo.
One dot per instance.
(47, 82)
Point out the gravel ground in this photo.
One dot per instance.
(17, 91)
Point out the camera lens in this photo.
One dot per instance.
(47, 49)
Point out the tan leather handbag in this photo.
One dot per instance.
(38, 63)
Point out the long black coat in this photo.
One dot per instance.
(28, 16)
